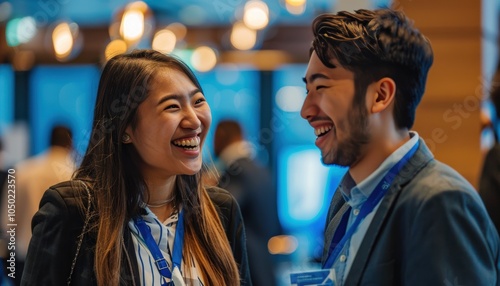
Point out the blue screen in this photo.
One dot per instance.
(232, 93)
(6, 97)
(62, 95)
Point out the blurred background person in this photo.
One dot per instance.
(32, 177)
(4, 280)
(489, 181)
(3, 172)
(254, 188)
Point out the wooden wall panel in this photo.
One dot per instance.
(442, 14)
(455, 72)
(448, 117)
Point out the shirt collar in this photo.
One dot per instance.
(356, 195)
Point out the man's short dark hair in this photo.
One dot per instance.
(61, 136)
(376, 44)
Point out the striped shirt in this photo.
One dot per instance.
(163, 234)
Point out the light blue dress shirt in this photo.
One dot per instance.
(355, 196)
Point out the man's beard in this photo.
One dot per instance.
(348, 151)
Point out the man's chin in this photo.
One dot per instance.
(334, 164)
(329, 160)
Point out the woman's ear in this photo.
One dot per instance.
(127, 136)
(385, 92)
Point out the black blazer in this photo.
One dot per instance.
(59, 221)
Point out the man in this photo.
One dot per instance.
(399, 217)
(254, 189)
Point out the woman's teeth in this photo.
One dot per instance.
(188, 143)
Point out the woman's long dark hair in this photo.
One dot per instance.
(117, 183)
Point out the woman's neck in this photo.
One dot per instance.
(160, 198)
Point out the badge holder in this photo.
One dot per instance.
(323, 277)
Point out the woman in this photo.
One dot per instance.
(138, 189)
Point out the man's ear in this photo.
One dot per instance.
(384, 94)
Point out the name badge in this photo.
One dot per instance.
(323, 277)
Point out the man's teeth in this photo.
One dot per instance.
(193, 142)
(322, 130)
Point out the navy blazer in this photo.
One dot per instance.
(431, 228)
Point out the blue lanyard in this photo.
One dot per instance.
(160, 261)
(341, 237)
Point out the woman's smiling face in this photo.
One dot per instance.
(172, 124)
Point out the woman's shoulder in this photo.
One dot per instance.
(72, 195)
(70, 189)
(220, 196)
(225, 204)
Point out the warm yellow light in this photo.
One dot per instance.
(62, 40)
(256, 14)
(295, 7)
(132, 25)
(23, 60)
(178, 29)
(137, 6)
(114, 30)
(242, 37)
(282, 244)
(164, 41)
(114, 48)
(203, 59)
(295, 2)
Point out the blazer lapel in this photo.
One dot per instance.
(337, 208)
(414, 165)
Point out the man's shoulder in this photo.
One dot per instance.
(437, 175)
(437, 180)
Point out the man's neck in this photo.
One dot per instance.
(376, 152)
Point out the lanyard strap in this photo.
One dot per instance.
(160, 261)
(341, 236)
